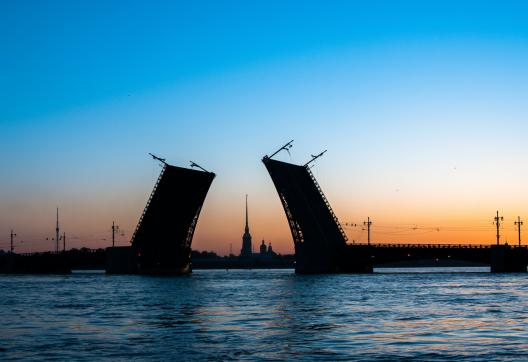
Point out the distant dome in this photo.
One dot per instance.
(263, 248)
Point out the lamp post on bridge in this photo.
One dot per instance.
(519, 223)
(368, 223)
(13, 235)
(115, 229)
(498, 220)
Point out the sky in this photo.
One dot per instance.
(422, 107)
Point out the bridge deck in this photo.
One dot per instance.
(426, 246)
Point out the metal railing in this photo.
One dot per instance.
(53, 252)
(148, 203)
(428, 246)
(327, 204)
(297, 234)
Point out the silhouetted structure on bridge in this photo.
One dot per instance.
(319, 239)
(161, 243)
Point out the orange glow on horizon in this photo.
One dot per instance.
(398, 217)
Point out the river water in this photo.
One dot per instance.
(215, 315)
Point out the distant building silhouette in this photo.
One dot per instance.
(266, 251)
(246, 251)
(270, 251)
(263, 249)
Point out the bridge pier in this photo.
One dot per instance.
(356, 259)
(508, 259)
(347, 259)
(121, 260)
(311, 260)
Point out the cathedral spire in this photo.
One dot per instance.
(247, 221)
(247, 248)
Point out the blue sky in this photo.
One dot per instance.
(64, 54)
(426, 98)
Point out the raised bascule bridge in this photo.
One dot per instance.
(161, 243)
(321, 245)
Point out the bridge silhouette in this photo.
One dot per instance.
(321, 245)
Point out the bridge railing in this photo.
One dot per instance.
(85, 250)
(425, 246)
(325, 200)
(148, 203)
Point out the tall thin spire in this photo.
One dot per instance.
(247, 247)
(247, 218)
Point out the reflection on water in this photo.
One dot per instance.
(265, 315)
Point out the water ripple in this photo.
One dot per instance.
(265, 315)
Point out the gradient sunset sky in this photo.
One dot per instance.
(422, 106)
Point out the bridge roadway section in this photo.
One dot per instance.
(501, 258)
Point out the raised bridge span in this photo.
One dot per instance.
(321, 245)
